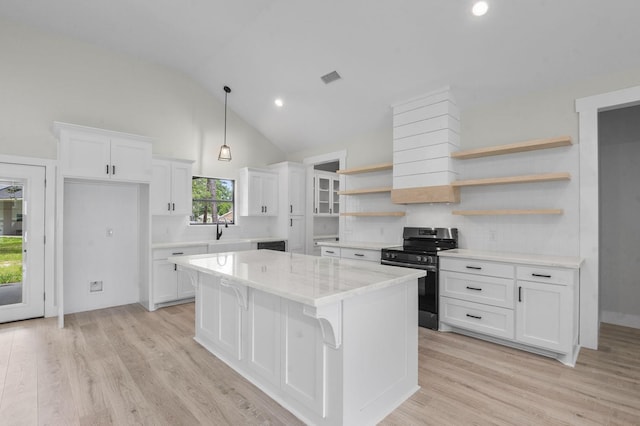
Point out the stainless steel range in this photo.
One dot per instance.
(419, 250)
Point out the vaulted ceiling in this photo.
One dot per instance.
(386, 51)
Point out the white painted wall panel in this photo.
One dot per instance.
(425, 139)
(425, 179)
(426, 112)
(425, 126)
(432, 165)
(424, 153)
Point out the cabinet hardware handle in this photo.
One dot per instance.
(177, 253)
(330, 211)
(519, 294)
(265, 209)
(474, 316)
(316, 210)
(174, 206)
(474, 288)
(290, 222)
(329, 251)
(290, 208)
(107, 169)
(474, 267)
(169, 206)
(113, 170)
(175, 267)
(359, 254)
(541, 275)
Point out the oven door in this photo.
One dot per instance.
(427, 293)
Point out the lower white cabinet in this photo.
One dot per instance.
(370, 255)
(527, 306)
(169, 284)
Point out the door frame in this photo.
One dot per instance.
(50, 307)
(588, 109)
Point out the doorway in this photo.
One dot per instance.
(22, 224)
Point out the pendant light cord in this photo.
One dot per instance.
(227, 90)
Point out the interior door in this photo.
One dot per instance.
(22, 204)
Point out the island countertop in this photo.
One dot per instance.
(310, 280)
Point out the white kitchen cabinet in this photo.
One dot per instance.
(525, 305)
(169, 284)
(295, 235)
(171, 187)
(103, 155)
(292, 190)
(258, 192)
(364, 254)
(326, 198)
(545, 311)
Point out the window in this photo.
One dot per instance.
(213, 200)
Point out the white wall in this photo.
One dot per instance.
(619, 153)
(101, 241)
(46, 78)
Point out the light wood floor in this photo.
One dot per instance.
(127, 366)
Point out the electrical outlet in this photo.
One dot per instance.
(95, 286)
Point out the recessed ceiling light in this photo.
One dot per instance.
(480, 8)
(278, 102)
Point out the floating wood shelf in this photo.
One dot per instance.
(364, 191)
(513, 148)
(366, 169)
(506, 212)
(546, 177)
(426, 194)
(373, 214)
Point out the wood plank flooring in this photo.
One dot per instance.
(127, 366)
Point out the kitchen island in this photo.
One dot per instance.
(334, 341)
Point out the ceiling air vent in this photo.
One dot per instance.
(331, 77)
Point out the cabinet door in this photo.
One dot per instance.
(335, 198)
(185, 288)
(323, 195)
(181, 198)
(85, 155)
(295, 235)
(543, 315)
(165, 284)
(131, 160)
(270, 193)
(255, 207)
(161, 188)
(297, 193)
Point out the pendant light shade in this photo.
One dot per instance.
(225, 150)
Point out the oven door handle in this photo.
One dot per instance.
(409, 265)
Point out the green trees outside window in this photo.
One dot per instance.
(213, 200)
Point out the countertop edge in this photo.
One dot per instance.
(530, 259)
(411, 273)
(207, 242)
(357, 245)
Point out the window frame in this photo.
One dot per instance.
(214, 201)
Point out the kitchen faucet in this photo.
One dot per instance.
(218, 231)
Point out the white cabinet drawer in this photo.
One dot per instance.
(546, 275)
(490, 290)
(478, 267)
(484, 319)
(360, 254)
(330, 251)
(178, 251)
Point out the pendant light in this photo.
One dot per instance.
(225, 151)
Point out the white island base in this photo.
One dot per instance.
(347, 362)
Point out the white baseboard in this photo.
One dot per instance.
(617, 318)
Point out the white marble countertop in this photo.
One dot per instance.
(357, 244)
(530, 259)
(222, 241)
(311, 280)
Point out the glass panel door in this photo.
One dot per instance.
(21, 242)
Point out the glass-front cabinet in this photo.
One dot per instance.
(326, 198)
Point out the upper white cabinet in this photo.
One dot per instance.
(297, 193)
(258, 192)
(90, 153)
(171, 187)
(326, 197)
